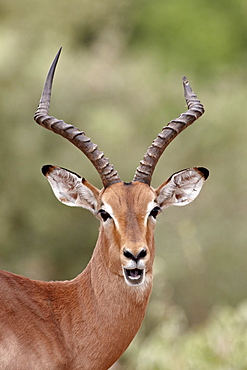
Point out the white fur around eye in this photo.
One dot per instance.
(150, 206)
(106, 207)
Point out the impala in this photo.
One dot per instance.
(88, 322)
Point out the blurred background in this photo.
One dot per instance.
(119, 80)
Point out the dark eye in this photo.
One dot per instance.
(104, 215)
(155, 211)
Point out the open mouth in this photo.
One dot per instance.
(134, 276)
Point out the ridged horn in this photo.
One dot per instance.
(106, 171)
(147, 165)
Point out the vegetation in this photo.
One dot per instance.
(221, 344)
(119, 79)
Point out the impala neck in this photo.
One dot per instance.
(108, 308)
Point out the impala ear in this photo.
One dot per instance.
(71, 189)
(182, 187)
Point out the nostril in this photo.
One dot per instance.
(135, 257)
(142, 254)
(128, 254)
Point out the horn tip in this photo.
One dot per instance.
(185, 80)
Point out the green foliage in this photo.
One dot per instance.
(208, 35)
(221, 344)
(119, 80)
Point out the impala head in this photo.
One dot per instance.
(127, 211)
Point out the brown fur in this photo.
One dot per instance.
(86, 323)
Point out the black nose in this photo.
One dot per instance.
(141, 254)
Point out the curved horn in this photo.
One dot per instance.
(71, 133)
(147, 165)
